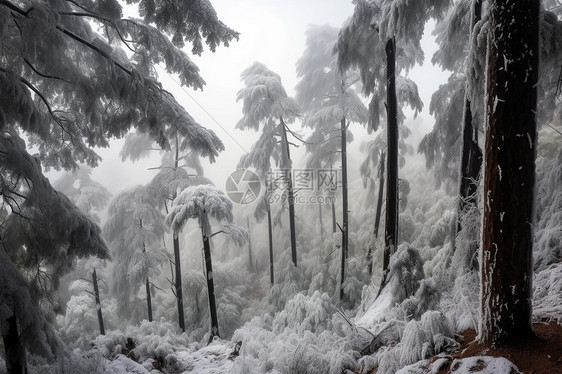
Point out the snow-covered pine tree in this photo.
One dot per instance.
(88, 195)
(267, 106)
(203, 202)
(328, 99)
(369, 34)
(134, 230)
(172, 177)
(68, 88)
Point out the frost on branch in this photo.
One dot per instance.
(44, 232)
(195, 201)
(264, 98)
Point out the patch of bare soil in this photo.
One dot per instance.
(536, 355)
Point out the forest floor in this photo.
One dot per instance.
(539, 355)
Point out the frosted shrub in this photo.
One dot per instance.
(465, 257)
(406, 272)
(460, 305)
(415, 344)
(420, 339)
(355, 279)
(547, 302)
(153, 341)
(312, 313)
(548, 245)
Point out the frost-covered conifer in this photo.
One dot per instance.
(330, 104)
(203, 202)
(67, 85)
(135, 230)
(265, 105)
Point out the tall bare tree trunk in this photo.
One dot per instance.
(148, 296)
(177, 283)
(148, 300)
(471, 157)
(177, 261)
(98, 303)
(345, 230)
(333, 206)
(250, 261)
(378, 212)
(270, 237)
(13, 347)
(286, 156)
(391, 221)
(209, 276)
(509, 175)
(320, 220)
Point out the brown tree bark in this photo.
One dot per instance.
(509, 176)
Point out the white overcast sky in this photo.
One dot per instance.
(272, 32)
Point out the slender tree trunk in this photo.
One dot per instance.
(177, 262)
(509, 175)
(270, 237)
(381, 192)
(290, 193)
(378, 212)
(345, 239)
(250, 261)
(391, 222)
(148, 296)
(320, 220)
(471, 157)
(178, 286)
(148, 300)
(13, 347)
(98, 303)
(205, 227)
(334, 223)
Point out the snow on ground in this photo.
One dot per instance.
(469, 365)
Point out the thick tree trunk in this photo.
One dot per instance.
(13, 347)
(177, 283)
(270, 237)
(509, 176)
(98, 303)
(391, 219)
(286, 156)
(250, 261)
(378, 212)
(209, 276)
(471, 156)
(345, 239)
